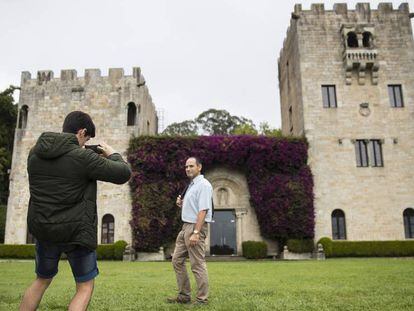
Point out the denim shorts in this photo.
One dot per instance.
(81, 259)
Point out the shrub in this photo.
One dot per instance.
(254, 249)
(119, 249)
(105, 251)
(22, 251)
(327, 246)
(368, 248)
(111, 251)
(300, 245)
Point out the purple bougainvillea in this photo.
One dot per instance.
(279, 180)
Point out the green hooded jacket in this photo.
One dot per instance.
(62, 179)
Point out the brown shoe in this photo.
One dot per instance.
(179, 299)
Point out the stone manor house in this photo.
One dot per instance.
(346, 83)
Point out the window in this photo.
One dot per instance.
(367, 39)
(329, 96)
(108, 229)
(132, 114)
(395, 94)
(376, 153)
(290, 120)
(30, 239)
(409, 223)
(338, 225)
(361, 153)
(23, 117)
(352, 40)
(287, 78)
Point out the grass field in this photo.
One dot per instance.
(335, 284)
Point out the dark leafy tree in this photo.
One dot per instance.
(8, 118)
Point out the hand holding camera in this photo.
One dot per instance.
(102, 148)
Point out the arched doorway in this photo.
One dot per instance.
(234, 219)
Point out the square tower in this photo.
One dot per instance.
(346, 81)
(119, 105)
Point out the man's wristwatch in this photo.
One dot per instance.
(196, 232)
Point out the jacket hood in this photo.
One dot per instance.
(53, 145)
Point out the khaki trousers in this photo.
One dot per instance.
(197, 260)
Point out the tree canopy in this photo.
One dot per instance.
(219, 122)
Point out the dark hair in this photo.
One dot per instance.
(77, 120)
(197, 160)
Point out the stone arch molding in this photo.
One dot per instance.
(230, 190)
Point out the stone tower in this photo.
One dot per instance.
(119, 105)
(347, 84)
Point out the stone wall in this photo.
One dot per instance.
(372, 198)
(106, 99)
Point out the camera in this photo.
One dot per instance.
(94, 148)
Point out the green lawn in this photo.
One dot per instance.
(335, 284)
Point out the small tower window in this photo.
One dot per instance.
(367, 39)
(409, 223)
(24, 111)
(108, 229)
(352, 40)
(132, 114)
(396, 96)
(329, 96)
(338, 225)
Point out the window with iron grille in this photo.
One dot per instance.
(373, 157)
(329, 96)
(108, 229)
(396, 96)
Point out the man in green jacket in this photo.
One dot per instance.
(62, 213)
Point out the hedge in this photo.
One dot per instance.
(367, 248)
(279, 181)
(21, 251)
(327, 246)
(27, 251)
(300, 245)
(254, 249)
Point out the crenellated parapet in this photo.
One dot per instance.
(91, 76)
(362, 11)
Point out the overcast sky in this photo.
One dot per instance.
(195, 55)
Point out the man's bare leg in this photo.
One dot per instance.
(34, 294)
(82, 297)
